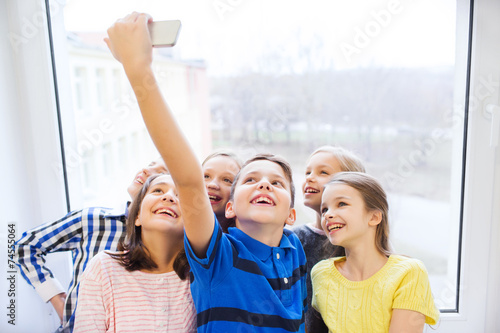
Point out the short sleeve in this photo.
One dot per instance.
(414, 293)
(212, 269)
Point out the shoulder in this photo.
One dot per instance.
(323, 266)
(100, 264)
(103, 212)
(302, 231)
(407, 264)
(290, 234)
(298, 229)
(294, 240)
(402, 268)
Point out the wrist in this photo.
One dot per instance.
(137, 70)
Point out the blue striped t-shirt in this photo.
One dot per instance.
(244, 285)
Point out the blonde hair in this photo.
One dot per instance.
(347, 159)
(223, 153)
(374, 198)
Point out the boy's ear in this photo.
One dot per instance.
(229, 210)
(290, 220)
(137, 221)
(376, 218)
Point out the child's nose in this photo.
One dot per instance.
(329, 214)
(213, 184)
(168, 196)
(265, 185)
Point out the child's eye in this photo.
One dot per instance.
(277, 183)
(324, 173)
(324, 210)
(229, 181)
(206, 176)
(157, 190)
(248, 180)
(308, 173)
(342, 204)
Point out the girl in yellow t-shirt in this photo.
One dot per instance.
(370, 289)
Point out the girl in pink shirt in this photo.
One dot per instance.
(143, 288)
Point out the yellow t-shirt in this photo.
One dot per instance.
(366, 306)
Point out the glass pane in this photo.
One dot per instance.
(376, 77)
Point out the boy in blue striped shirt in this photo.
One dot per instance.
(254, 278)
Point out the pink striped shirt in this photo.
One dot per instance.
(111, 299)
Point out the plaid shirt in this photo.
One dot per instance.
(85, 233)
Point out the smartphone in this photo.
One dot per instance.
(164, 33)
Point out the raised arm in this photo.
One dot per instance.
(130, 43)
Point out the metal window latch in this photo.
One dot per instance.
(494, 111)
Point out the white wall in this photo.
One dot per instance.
(32, 192)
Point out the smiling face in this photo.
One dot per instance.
(159, 209)
(154, 168)
(262, 194)
(344, 216)
(219, 173)
(320, 169)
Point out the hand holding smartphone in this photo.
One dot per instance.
(164, 33)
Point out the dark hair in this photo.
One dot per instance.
(285, 166)
(135, 254)
(374, 198)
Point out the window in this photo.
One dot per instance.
(80, 85)
(108, 158)
(363, 76)
(101, 89)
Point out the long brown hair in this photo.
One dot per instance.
(374, 198)
(135, 254)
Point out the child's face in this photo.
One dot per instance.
(320, 169)
(160, 211)
(344, 216)
(262, 195)
(154, 168)
(219, 173)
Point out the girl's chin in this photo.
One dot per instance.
(313, 205)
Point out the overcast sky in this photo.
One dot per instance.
(235, 35)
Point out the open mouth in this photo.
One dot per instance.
(262, 200)
(311, 190)
(334, 227)
(139, 180)
(166, 211)
(214, 199)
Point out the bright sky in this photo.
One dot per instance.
(237, 35)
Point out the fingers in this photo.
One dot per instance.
(128, 38)
(106, 40)
(137, 17)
